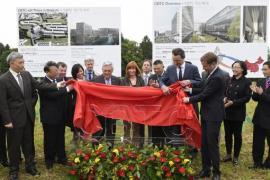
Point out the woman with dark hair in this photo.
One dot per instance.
(77, 73)
(133, 79)
(237, 94)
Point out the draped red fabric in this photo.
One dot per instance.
(145, 105)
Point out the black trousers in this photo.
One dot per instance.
(20, 137)
(259, 136)
(157, 135)
(54, 142)
(108, 129)
(210, 145)
(233, 129)
(3, 142)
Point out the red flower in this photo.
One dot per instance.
(91, 176)
(191, 178)
(115, 159)
(131, 154)
(143, 163)
(70, 163)
(177, 159)
(162, 153)
(97, 152)
(163, 159)
(102, 155)
(79, 152)
(120, 149)
(121, 173)
(86, 157)
(176, 152)
(181, 170)
(165, 168)
(152, 158)
(131, 167)
(168, 174)
(73, 172)
(123, 158)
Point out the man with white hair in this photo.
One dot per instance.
(89, 70)
(108, 124)
(17, 88)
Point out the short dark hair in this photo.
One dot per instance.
(210, 58)
(147, 60)
(75, 70)
(62, 64)
(179, 51)
(267, 63)
(242, 65)
(158, 61)
(48, 65)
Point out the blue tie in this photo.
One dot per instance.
(89, 75)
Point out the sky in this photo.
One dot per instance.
(136, 16)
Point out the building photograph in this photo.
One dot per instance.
(43, 29)
(254, 24)
(219, 26)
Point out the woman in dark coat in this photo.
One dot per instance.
(238, 93)
(133, 79)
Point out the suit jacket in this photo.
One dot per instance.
(261, 115)
(100, 79)
(16, 107)
(211, 97)
(126, 82)
(86, 75)
(191, 73)
(239, 92)
(52, 107)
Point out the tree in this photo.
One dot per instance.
(4, 52)
(146, 47)
(130, 52)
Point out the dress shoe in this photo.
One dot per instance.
(235, 161)
(203, 174)
(14, 176)
(227, 158)
(33, 171)
(4, 163)
(256, 166)
(216, 177)
(49, 165)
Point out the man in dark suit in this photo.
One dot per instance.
(3, 147)
(156, 132)
(108, 124)
(17, 111)
(52, 116)
(181, 71)
(89, 69)
(212, 114)
(261, 119)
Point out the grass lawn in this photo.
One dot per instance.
(240, 172)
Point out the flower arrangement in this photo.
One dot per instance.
(129, 162)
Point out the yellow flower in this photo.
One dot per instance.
(171, 163)
(190, 170)
(116, 151)
(130, 177)
(158, 173)
(157, 154)
(97, 160)
(100, 146)
(186, 161)
(77, 160)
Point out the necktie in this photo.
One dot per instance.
(180, 74)
(20, 82)
(267, 83)
(145, 80)
(89, 75)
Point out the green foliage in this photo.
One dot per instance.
(146, 47)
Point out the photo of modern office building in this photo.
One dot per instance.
(254, 24)
(222, 27)
(84, 34)
(43, 29)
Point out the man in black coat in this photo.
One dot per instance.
(186, 74)
(17, 111)
(3, 147)
(261, 119)
(52, 116)
(212, 114)
(108, 124)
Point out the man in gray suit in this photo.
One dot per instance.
(17, 89)
(108, 124)
(181, 71)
